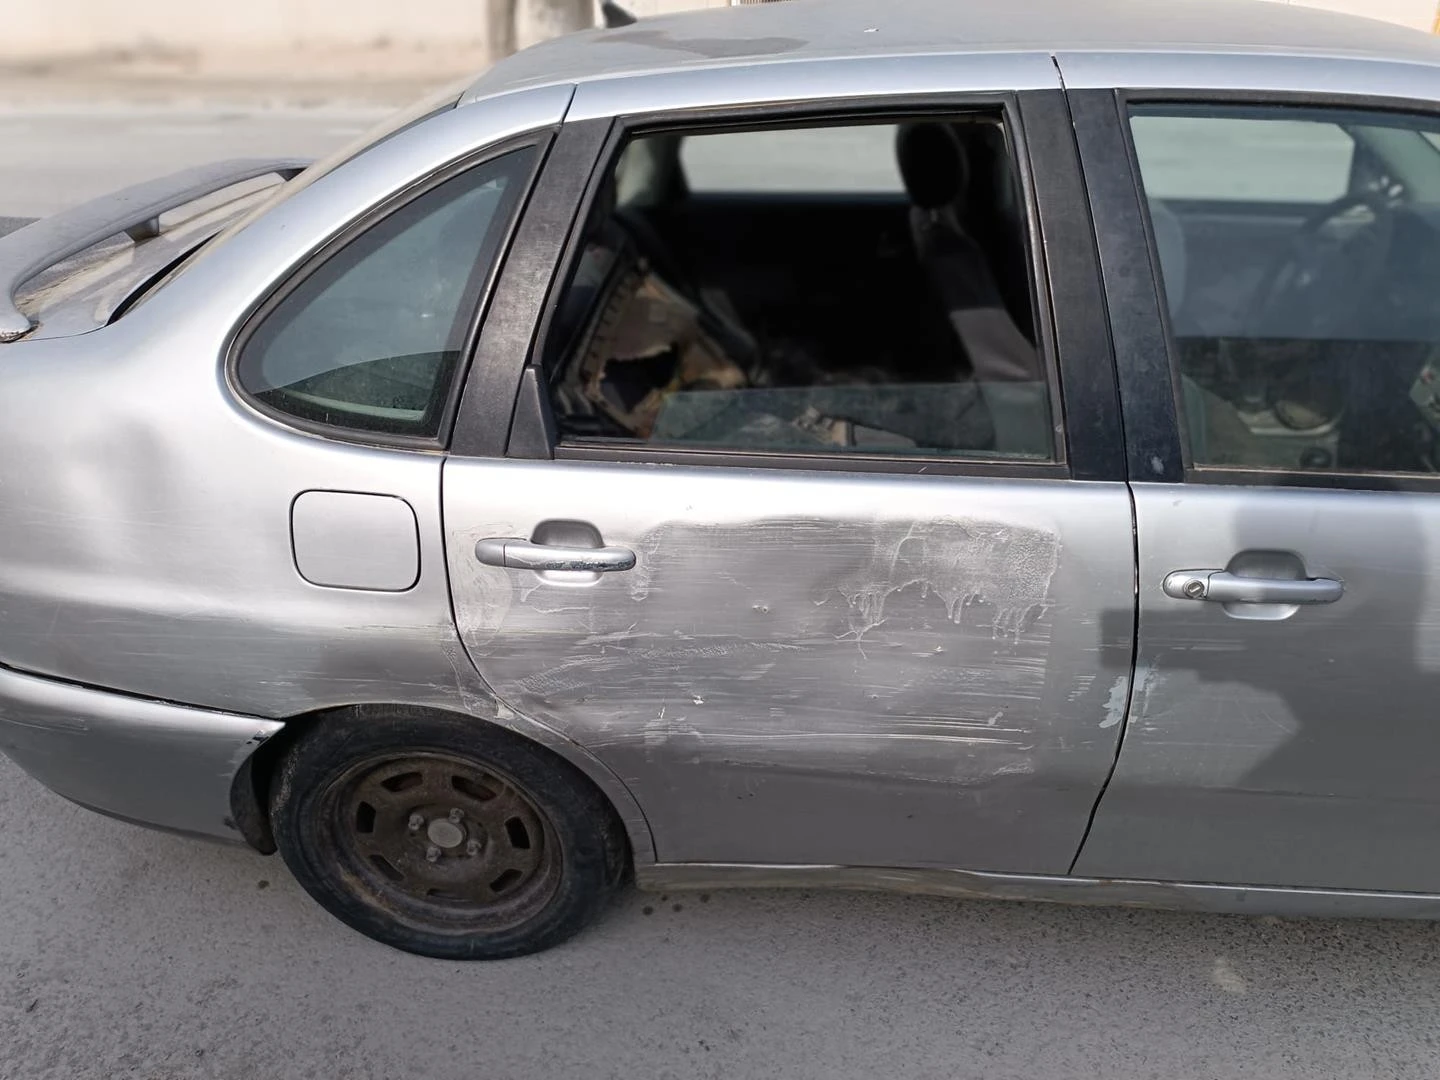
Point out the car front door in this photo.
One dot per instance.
(799, 637)
(1283, 727)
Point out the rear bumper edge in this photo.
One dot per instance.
(149, 762)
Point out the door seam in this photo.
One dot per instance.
(1129, 494)
(1130, 690)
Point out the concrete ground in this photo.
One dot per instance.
(125, 953)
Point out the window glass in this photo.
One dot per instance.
(855, 158)
(834, 325)
(1304, 314)
(371, 339)
(1239, 158)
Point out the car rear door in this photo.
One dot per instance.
(859, 658)
(1282, 730)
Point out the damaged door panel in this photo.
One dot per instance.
(814, 667)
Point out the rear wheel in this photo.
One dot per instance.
(445, 836)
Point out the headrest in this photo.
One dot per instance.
(933, 164)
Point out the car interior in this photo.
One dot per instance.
(782, 294)
(861, 287)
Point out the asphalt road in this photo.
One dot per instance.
(131, 954)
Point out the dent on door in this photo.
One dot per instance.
(814, 667)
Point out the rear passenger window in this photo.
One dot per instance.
(371, 339)
(830, 289)
(1299, 250)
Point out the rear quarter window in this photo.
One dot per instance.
(371, 339)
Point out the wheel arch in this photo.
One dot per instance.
(249, 790)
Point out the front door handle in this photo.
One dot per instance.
(517, 554)
(1222, 587)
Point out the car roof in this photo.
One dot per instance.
(822, 29)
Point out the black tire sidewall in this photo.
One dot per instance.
(576, 816)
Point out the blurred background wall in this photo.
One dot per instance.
(1417, 13)
(58, 27)
(55, 28)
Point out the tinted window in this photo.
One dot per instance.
(1224, 158)
(810, 316)
(371, 339)
(1299, 254)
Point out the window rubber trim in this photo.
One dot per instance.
(1130, 271)
(487, 401)
(1089, 394)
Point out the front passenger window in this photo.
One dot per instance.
(1299, 250)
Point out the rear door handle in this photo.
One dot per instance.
(517, 554)
(1222, 587)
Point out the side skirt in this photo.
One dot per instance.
(976, 885)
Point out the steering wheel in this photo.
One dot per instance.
(1319, 283)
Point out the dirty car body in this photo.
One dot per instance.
(1027, 501)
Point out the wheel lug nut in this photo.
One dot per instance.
(432, 853)
(472, 847)
(456, 814)
(416, 823)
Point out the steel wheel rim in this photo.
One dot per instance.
(443, 842)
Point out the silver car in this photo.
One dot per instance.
(989, 452)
